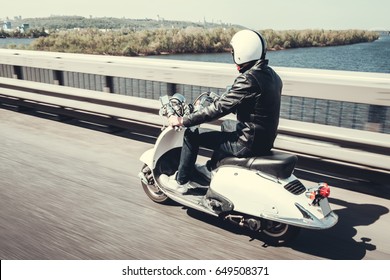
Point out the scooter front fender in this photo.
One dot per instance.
(168, 139)
(147, 157)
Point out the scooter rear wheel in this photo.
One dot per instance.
(151, 189)
(278, 233)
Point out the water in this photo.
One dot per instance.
(4, 42)
(363, 57)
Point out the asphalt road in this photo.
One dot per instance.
(69, 192)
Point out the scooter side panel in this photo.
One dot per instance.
(249, 192)
(266, 197)
(254, 194)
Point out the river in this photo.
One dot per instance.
(4, 42)
(363, 57)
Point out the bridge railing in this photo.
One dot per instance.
(139, 115)
(337, 98)
(124, 91)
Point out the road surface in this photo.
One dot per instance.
(71, 192)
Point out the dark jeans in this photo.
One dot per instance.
(224, 143)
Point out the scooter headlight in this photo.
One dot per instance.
(177, 102)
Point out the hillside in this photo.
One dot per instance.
(72, 22)
(132, 37)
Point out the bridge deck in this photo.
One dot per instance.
(73, 193)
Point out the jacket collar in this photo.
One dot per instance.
(262, 63)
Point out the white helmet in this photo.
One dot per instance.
(248, 45)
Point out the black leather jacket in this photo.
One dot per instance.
(255, 98)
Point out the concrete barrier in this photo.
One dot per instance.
(362, 148)
(337, 98)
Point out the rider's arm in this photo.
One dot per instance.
(224, 105)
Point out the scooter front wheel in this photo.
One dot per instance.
(150, 187)
(277, 233)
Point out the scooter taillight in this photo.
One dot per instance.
(324, 190)
(319, 193)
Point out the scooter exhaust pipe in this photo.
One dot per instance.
(251, 223)
(254, 224)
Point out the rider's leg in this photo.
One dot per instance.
(223, 144)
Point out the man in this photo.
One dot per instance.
(255, 99)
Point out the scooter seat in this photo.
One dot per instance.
(278, 164)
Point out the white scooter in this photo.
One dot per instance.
(258, 193)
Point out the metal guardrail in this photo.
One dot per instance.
(367, 88)
(360, 148)
(337, 98)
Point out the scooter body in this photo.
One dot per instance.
(259, 193)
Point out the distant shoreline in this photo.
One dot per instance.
(135, 37)
(188, 40)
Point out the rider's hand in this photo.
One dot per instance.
(175, 121)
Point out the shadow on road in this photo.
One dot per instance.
(339, 242)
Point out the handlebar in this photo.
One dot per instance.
(176, 105)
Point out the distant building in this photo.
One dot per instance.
(24, 27)
(7, 25)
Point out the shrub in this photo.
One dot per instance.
(186, 40)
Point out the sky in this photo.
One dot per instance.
(254, 14)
